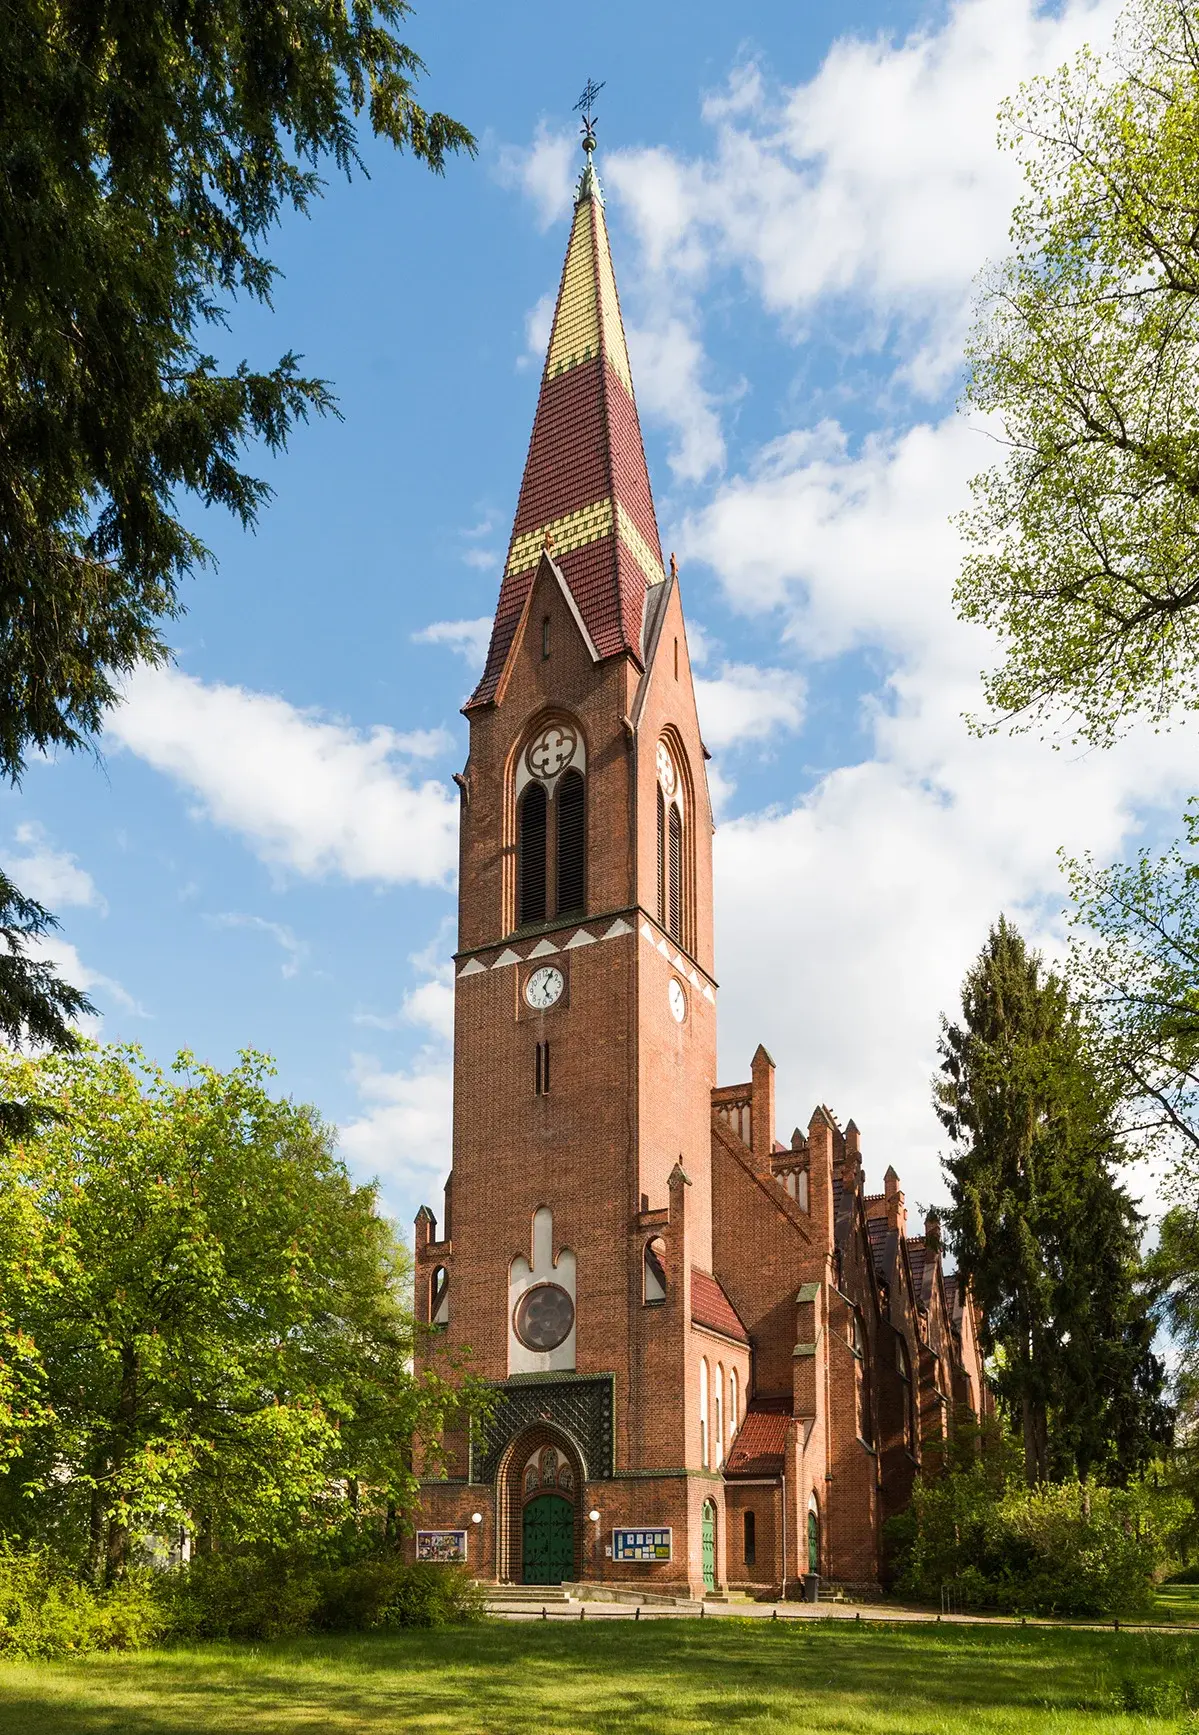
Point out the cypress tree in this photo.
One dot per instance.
(1041, 1227)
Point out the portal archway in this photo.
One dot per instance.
(538, 1496)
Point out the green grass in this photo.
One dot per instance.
(1177, 1602)
(618, 1678)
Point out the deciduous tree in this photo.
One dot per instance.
(213, 1316)
(1084, 551)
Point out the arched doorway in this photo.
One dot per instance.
(708, 1543)
(813, 1538)
(540, 1486)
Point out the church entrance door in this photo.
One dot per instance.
(548, 1540)
(709, 1545)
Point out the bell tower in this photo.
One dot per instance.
(577, 1252)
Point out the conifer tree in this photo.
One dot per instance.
(1040, 1226)
(146, 151)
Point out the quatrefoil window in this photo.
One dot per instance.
(549, 753)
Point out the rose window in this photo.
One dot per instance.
(544, 1316)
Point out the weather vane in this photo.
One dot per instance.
(585, 106)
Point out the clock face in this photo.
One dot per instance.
(678, 1000)
(544, 988)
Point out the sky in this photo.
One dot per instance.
(800, 196)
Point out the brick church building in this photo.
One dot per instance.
(718, 1360)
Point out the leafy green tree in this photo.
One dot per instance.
(1040, 1227)
(146, 151)
(1084, 552)
(211, 1316)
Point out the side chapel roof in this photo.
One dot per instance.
(585, 495)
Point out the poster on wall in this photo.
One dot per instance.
(641, 1545)
(444, 1547)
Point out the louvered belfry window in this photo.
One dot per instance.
(572, 844)
(675, 912)
(532, 854)
(661, 858)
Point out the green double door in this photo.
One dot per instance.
(548, 1540)
(708, 1541)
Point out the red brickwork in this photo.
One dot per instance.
(719, 1280)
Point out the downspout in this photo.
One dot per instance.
(784, 1480)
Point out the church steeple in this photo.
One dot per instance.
(585, 496)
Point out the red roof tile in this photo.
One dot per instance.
(761, 1445)
(710, 1306)
(585, 450)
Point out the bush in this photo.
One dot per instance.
(1069, 1549)
(45, 1612)
(280, 1594)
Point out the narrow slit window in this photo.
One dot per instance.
(675, 887)
(751, 1538)
(654, 1285)
(676, 659)
(532, 855)
(572, 845)
(545, 637)
(541, 1069)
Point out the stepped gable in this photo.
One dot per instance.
(585, 497)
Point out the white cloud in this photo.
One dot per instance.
(667, 362)
(295, 951)
(539, 328)
(404, 1134)
(545, 172)
(878, 180)
(469, 639)
(48, 875)
(745, 703)
(879, 885)
(67, 962)
(306, 792)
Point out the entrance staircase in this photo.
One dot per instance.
(526, 1601)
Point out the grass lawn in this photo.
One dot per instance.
(617, 1678)
(1177, 1602)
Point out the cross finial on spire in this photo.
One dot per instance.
(586, 107)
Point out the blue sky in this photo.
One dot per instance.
(799, 198)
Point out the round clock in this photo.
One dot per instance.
(544, 988)
(678, 1000)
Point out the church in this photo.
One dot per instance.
(718, 1361)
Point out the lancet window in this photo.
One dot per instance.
(674, 876)
(551, 825)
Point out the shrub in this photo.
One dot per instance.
(279, 1594)
(45, 1612)
(1068, 1549)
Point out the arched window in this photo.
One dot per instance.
(734, 1401)
(531, 858)
(673, 876)
(572, 844)
(719, 1416)
(661, 858)
(653, 1289)
(904, 1366)
(861, 1380)
(674, 912)
(439, 1297)
(703, 1411)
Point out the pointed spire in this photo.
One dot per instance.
(586, 486)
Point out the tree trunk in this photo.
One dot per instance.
(1036, 1441)
(116, 1553)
